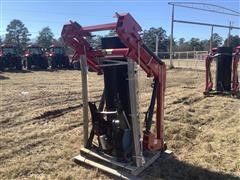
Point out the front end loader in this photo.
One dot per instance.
(117, 143)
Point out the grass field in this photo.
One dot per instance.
(41, 127)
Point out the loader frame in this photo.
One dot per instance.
(234, 90)
(137, 54)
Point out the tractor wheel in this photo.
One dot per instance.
(44, 64)
(28, 64)
(66, 63)
(70, 66)
(53, 63)
(76, 66)
(19, 64)
(24, 64)
(1, 64)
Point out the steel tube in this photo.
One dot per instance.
(206, 24)
(100, 27)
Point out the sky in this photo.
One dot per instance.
(37, 14)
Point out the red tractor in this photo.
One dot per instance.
(9, 58)
(57, 57)
(35, 58)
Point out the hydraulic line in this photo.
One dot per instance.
(150, 111)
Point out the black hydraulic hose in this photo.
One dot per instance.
(102, 101)
(149, 113)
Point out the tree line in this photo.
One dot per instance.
(149, 37)
(17, 34)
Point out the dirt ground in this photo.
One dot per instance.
(41, 127)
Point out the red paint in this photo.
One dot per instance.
(127, 29)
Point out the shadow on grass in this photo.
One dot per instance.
(171, 168)
(51, 70)
(17, 71)
(44, 70)
(30, 70)
(36, 70)
(3, 77)
(187, 69)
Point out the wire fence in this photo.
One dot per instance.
(186, 59)
(190, 60)
(187, 63)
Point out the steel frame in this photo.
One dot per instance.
(127, 30)
(235, 82)
(136, 52)
(205, 7)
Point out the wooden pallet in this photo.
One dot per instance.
(103, 161)
(111, 165)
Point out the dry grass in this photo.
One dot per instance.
(41, 127)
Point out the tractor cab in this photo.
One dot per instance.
(8, 50)
(34, 50)
(57, 57)
(9, 57)
(56, 50)
(35, 57)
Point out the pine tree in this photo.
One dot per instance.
(17, 34)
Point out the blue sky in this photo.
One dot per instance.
(37, 14)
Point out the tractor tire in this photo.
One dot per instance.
(19, 64)
(52, 63)
(70, 67)
(44, 64)
(1, 64)
(19, 67)
(28, 64)
(66, 63)
(24, 63)
(76, 66)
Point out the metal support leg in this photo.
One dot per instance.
(84, 74)
(133, 91)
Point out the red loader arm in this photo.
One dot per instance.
(127, 30)
(75, 37)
